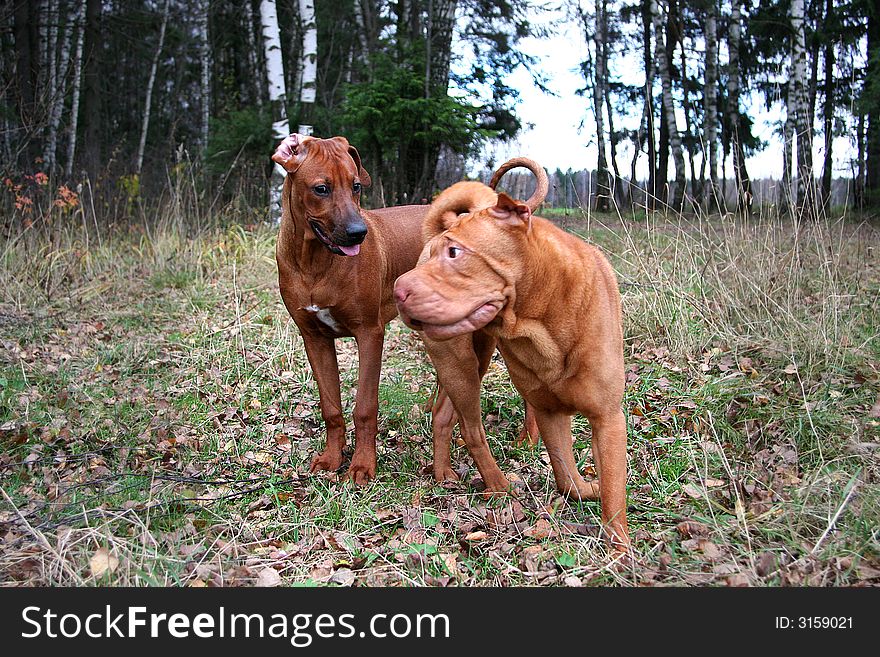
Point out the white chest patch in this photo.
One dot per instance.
(324, 316)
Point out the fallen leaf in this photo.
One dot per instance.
(102, 561)
(692, 528)
(710, 549)
(343, 577)
(766, 564)
(476, 536)
(540, 530)
(692, 491)
(268, 577)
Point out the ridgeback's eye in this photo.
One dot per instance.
(356, 188)
(322, 190)
(454, 251)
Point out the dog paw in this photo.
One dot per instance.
(361, 474)
(445, 473)
(581, 490)
(498, 487)
(326, 460)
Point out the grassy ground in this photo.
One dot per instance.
(157, 418)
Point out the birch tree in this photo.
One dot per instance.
(58, 87)
(663, 70)
(148, 101)
(710, 96)
(647, 127)
(828, 109)
(275, 80)
(309, 64)
(76, 85)
(205, 77)
(803, 117)
(600, 79)
(743, 183)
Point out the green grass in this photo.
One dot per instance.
(155, 400)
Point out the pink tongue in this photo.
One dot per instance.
(350, 250)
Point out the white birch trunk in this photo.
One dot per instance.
(668, 106)
(252, 54)
(803, 115)
(205, 60)
(362, 30)
(145, 125)
(743, 186)
(788, 200)
(275, 79)
(51, 30)
(711, 98)
(57, 101)
(603, 191)
(77, 86)
(309, 62)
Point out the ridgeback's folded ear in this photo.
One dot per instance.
(462, 197)
(366, 181)
(510, 210)
(291, 152)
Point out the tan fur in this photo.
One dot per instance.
(552, 303)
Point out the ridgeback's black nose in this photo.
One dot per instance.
(355, 233)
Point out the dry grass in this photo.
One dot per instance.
(158, 417)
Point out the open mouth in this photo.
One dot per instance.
(333, 247)
(468, 324)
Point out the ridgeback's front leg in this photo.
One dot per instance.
(366, 407)
(443, 419)
(321, 352)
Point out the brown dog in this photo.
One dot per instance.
(480, 344)
(552, 303)
(336, 269)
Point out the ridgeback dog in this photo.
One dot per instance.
(490, 269)
(336, 270)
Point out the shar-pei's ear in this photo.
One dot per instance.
(462, 198)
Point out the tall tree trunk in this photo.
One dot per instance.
(309, 65)
(710, 96)
(613, 139)
(872, 78)
(828, 108)
(743, 183)
(696, 191)
(275, 80)
(92, 141)
(803, 118)
(58, 89)
(859, 191)
(148, 101)
(788, 200)
(205, 78)
(603, 189)
(77, 85)
(648, 111)
(24, 22)
(663, 69)
(256, 89)
(51, 65)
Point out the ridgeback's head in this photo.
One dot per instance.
(469, 266)
(325, 177)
